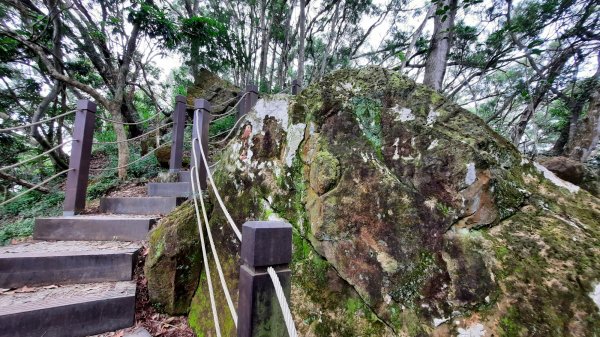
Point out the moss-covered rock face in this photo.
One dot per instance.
(220, 93)
(411, 217)
(174, 260)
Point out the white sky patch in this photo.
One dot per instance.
(433, 144)
(475, 330)
(471, 174)
(438, 321)
(554, 179)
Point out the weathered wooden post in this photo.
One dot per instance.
(264, 244)
(179, 115)
(251, 97)
(202, 119)
(79, 161)
(241, 107)
(295, 87)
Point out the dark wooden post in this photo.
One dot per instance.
(202, 118)
(251, 97)
(295, 87)
(179, 115)
(79, 162)
(264, 244)
(241, 108)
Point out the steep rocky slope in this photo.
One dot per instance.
(411, 217)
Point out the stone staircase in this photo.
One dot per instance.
(76, 277)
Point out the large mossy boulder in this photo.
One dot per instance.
(220, 93)
(174, 260)
(411, 217)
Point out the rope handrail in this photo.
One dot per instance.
(232, 108)
(223, 116)
(38, 156)
(232, 130)
(36, 123)
(205, 260)
(129, 123)
(212, 246)
(131, 163)
(285, 309)
(36, 186)
(214, 186)
(136, 137)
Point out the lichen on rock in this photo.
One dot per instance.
(411, 216)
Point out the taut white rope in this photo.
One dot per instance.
(136, 137)
(133, 162)
(127, 123)
(205, 258)
(232, 108)
(213, 248)
(37, 123)
(285, 309)
(35, 187)
(230, 131)
(36, 157)
(214, 186)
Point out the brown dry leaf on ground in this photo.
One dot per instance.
(146, 315)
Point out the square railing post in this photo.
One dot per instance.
(179, 115)
(264, 244)
(202, 119)
(251, 97)
(241, 108)
(79, 161)
(295, 87)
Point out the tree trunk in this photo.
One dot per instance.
(22, 182)
(441, 41)
(301, 38)
(587, 131)
(123, 146)
(330, 40)
(264, 46)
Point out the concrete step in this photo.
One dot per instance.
(66, 262)
(140, 205)
(170, 189)
(184, 176)
(96, 227)
(67, 311)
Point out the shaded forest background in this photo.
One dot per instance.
(530, 68)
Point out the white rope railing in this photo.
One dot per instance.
(129, 123)
(36, 186)
(232, 130)
(285, 309)
(205, 259)
(131, 163)
(134, 138)
(212, 245)
(36, 157)
(232, 108)
(217, 194)
(37, 123)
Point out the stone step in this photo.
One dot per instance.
(66, 262)
(96, 228)
(184, 176)
(170, 189)
(140, 205)
(67, 311)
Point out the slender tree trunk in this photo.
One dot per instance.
(441, 41)
(301, 39)
(587, 131)
(264, 46)
(330, 41)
